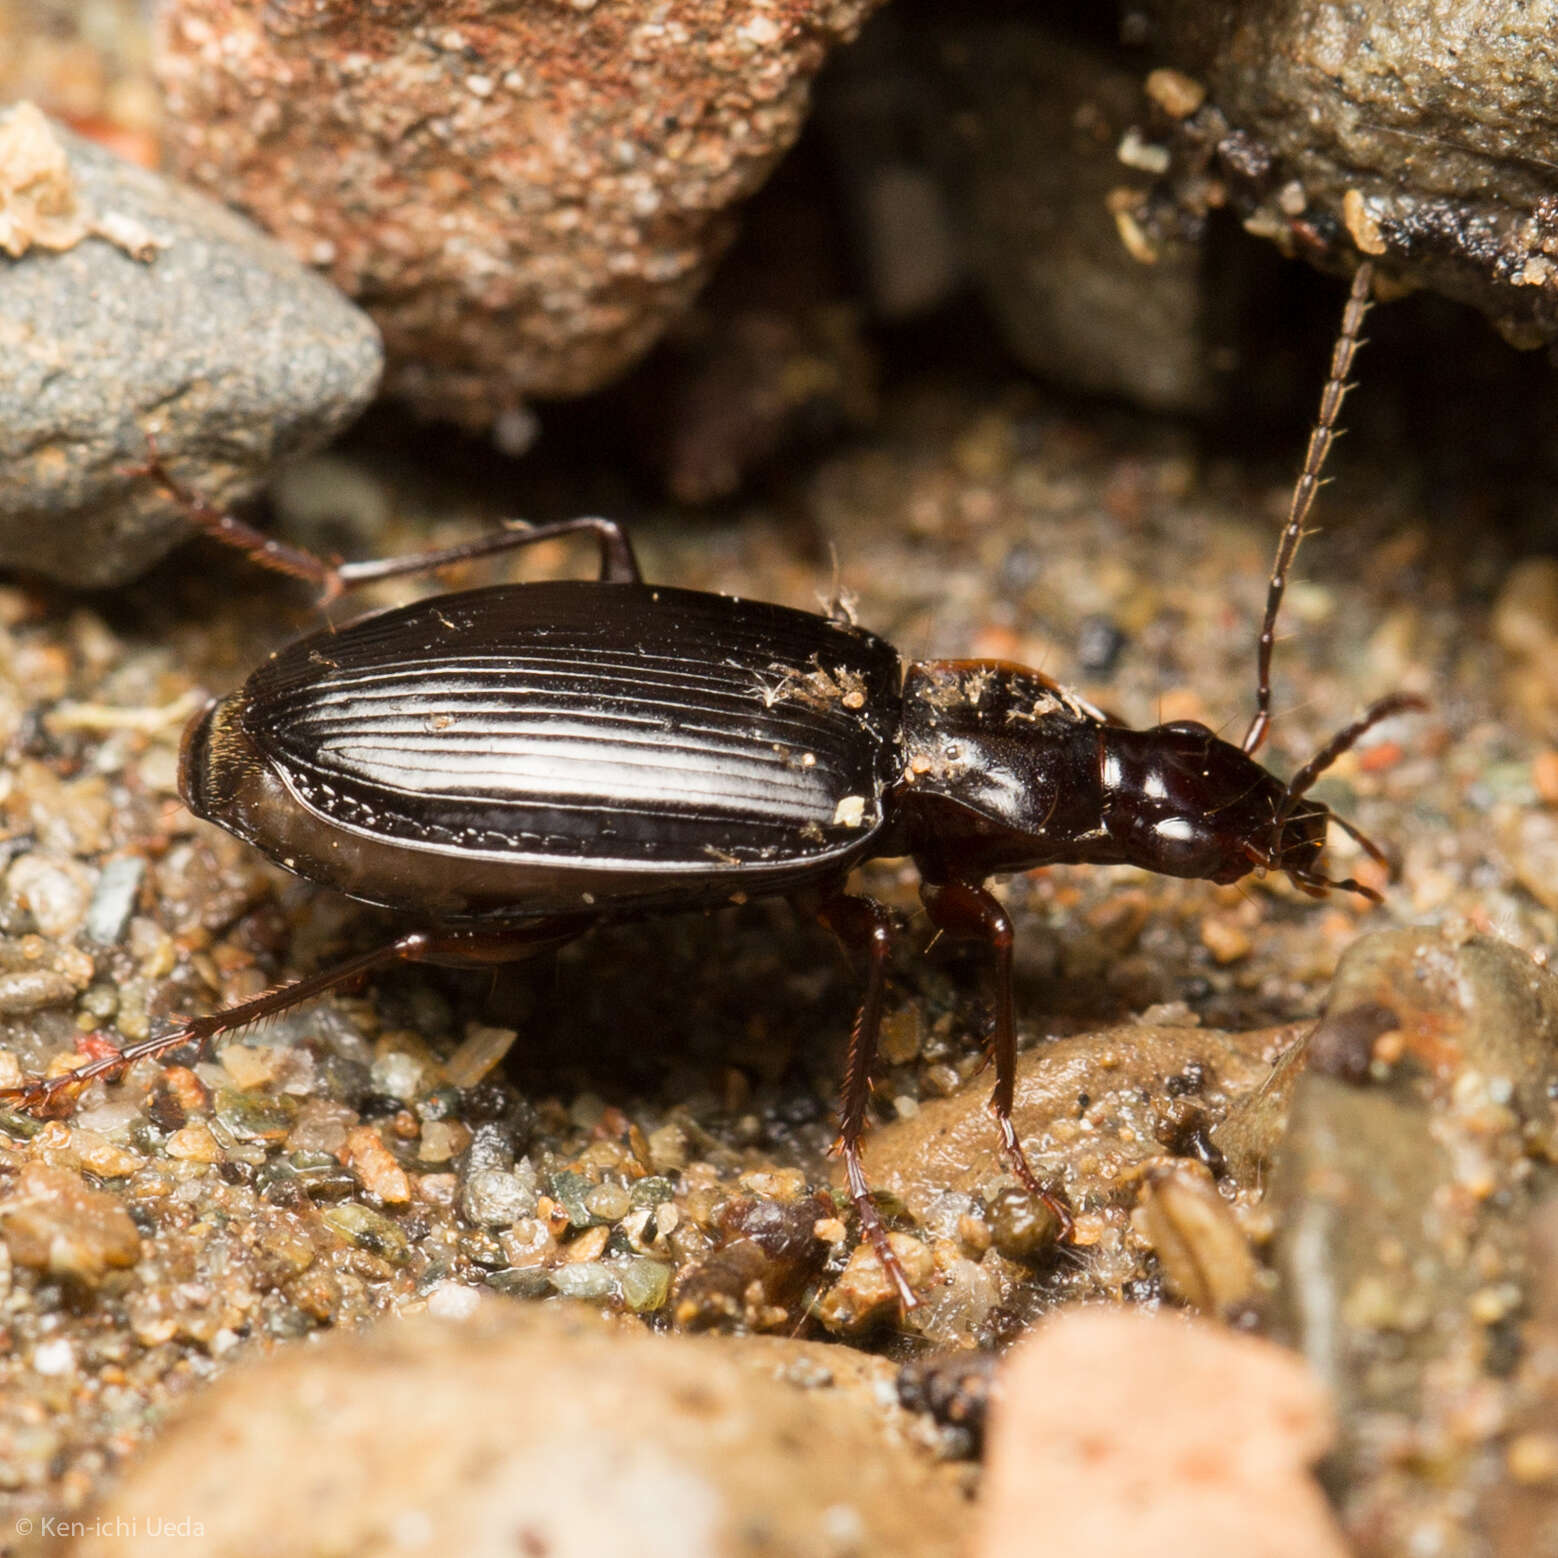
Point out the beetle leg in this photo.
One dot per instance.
(279, 556)
(864, 925)
(45, 1094)
(618, 562)
(968, 912)
(42, 1093)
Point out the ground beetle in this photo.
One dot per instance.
(511, 765)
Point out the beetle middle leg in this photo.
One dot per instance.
(968, 912)
(864, 925)
(618, 561)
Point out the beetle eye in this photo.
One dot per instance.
(1187, 727)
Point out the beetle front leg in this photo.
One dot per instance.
(864, 925)
(966, 911)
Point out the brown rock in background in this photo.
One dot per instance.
(524, 198)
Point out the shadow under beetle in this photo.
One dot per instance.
(511, 765)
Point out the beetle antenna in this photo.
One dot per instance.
(1343, 741)
(1301, 782)
(1348, 340)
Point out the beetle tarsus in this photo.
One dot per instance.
(262, 549)
(332, 577)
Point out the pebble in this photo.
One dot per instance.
(864, 1295)
(256, 1117)
(498, 1198)
(370, 1231)
(113, 901)
(194, 1143)
(1131, 1434)
(54, 1357)
(646, 1285)
(769, 1252)
(98, 1155)
(34, 990)
(1206, 1260)
(584, 1280)
(213, 336)
(253, 1065)
(442, 1140)
(55, 890)
(52, 1220)
(375, 1166)
(1020, 1226)
(609, 1441)
(453, 1301)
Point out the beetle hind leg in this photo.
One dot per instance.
(618, 561)
(52, 1095)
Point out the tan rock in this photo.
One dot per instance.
(541, 1429)
(54, 1221)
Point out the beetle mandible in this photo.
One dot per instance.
(511, 765)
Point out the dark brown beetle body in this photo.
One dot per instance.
(513, 764)
(518, 752)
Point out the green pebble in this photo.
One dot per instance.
(369, 1230)
(646, 1285)
(19, 1126)
(651, 1191)
(255, 1116)
(520, 1281)
(569, 1190)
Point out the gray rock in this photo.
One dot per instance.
(1413, 130)
(988, 151)
(219, 342)
(1034, 187)
(1419, 1146)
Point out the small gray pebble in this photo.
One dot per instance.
(112, 903)
(493, 1198)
